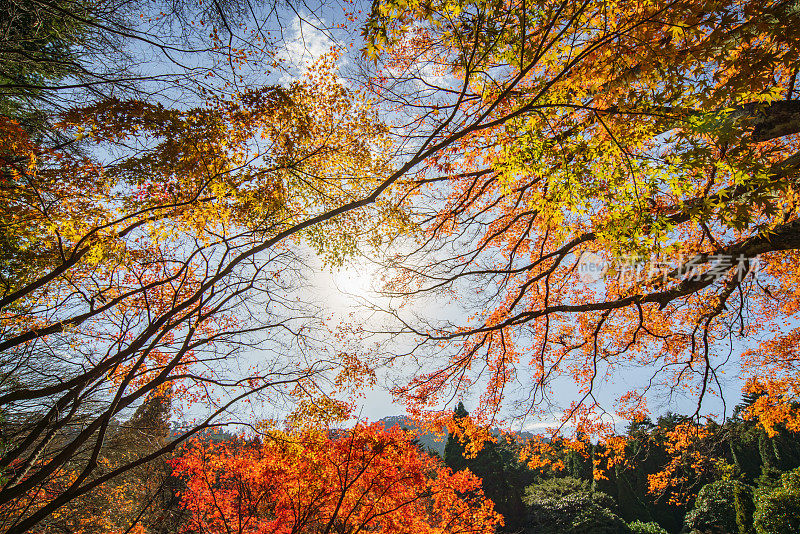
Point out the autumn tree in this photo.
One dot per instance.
(362, 479)
(152, 245)
(657, 141)
(150, 260)
(659, 137)
(131, 502)
(147, 245)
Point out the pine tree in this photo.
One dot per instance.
(454, 449)
(488, 465)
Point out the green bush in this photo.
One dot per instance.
(569, 506)
(778, 509)
(639, 527)
(715, 508)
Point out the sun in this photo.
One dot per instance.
(356, 281)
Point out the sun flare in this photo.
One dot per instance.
(356, 280)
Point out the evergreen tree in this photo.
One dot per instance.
(745, 507)
(579, 465)
(144, 497)
(454, 449)
(495, 471)
(646, 454)
(640, 527)
(744, 441)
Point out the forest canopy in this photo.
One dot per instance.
(581, 219)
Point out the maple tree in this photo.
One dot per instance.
(146, 248)
(143, 266)
(149, 259)
(365, 479)
(146, 245)
(662, 138)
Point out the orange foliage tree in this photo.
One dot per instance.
(661, 137)
(610, 190)
(149, 252)
(363, 479)
(658, 142)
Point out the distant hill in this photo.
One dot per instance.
(431, 440)
(428, 440)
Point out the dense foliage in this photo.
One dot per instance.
(580, 211)
(363, 479)
(738, 488)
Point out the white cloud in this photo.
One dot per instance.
(305, 43)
